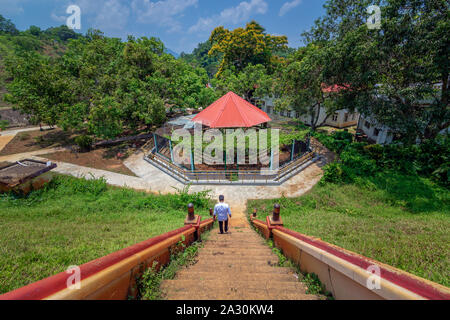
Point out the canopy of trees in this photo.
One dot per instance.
(200, 58)
(242, 47)
(397, 74)
(105, 86)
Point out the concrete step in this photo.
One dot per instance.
(236, 244)
(241, 239)
(241, 276)
(187, 286)
(220, 268)
(237, 261)
(236, 251)
(228, 257)
(244, 295)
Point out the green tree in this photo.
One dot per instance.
(37, 88)
(397, 74)
(302, 86)
(252, 81)
(242, 47)
(200, 58)
(6, 26)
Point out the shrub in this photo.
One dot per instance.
(359, 163)
(335, 142)
(333, 173)
(84, 142)
(3, 124)
(70, 185)
(24, 136)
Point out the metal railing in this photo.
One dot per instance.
(274, 177)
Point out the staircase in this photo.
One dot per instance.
(235, 266)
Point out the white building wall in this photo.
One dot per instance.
(378, 133)
(342, 118)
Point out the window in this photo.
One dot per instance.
(367, 124)
(297, 115)
(335, 117)
(376, 132)
(346, 117)
(269, 109)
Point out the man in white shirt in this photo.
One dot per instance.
(222, 211)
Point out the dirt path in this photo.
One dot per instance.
(7, 135)
(4, 140)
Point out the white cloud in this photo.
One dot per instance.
(11, 7)
(113, 15)
(288, 6)
(233, 15)
(162, 13)
(106, 15)
(57, 18)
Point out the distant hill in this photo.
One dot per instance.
(176, 55)
(51, 42)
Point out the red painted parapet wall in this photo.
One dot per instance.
(113, 277)
(344, 273)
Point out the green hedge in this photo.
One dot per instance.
(430, 159)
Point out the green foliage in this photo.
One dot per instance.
(104, 86)
(72, 221)
(6, 26)
(392, 72)
(150, 282)
(3, 124)
(242, 47)
(67, 186)
(336, 142)
(200, 58)
(429, 159)
(313, 283)
(200, 200)
(398, 219)
(334, 173)
(252, 81)
(301, 82)
(84, 142)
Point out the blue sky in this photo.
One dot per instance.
(180, 24)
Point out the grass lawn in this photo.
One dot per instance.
(403, 221)
(74, 221)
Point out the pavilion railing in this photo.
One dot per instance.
(230, 176)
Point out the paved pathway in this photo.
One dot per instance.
(151, 179)
(235, 195)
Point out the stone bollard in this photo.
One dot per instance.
(276, 219)
(193, 220)
(191, 217)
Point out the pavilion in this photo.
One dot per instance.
(231, 111)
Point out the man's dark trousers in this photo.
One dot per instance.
(221, 226)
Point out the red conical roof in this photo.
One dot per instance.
(231, 111)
